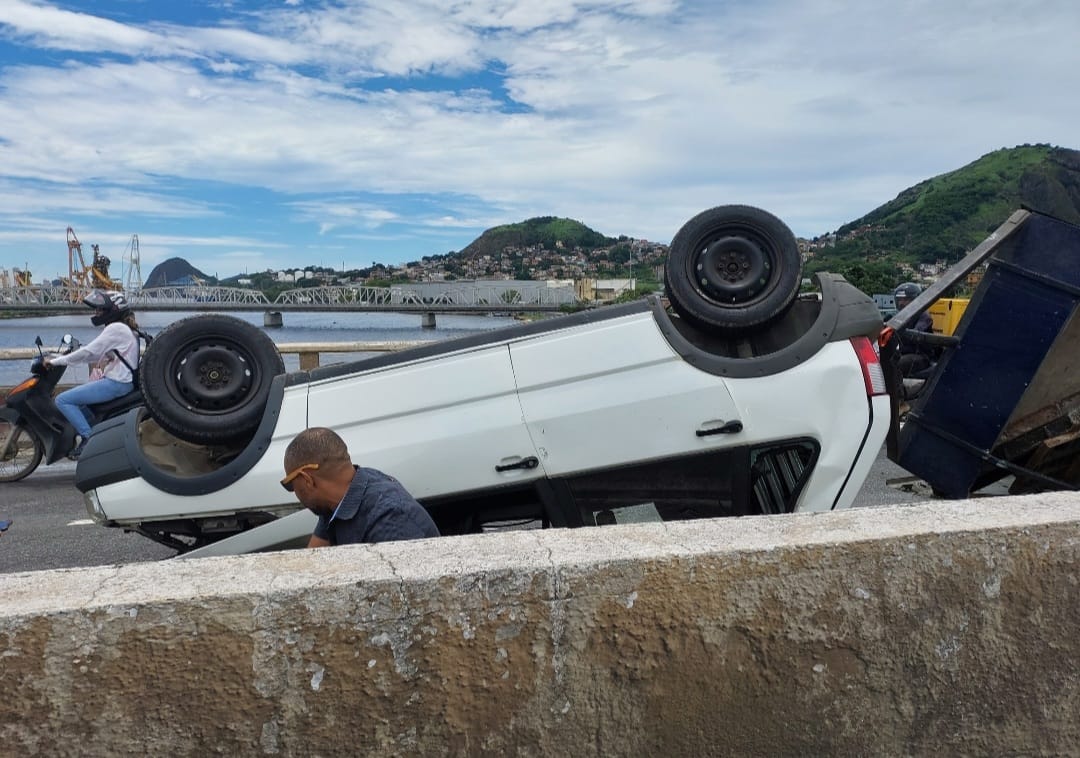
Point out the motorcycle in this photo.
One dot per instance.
(31, 426)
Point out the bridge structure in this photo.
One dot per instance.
(427, 299)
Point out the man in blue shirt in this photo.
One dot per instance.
(353, 504)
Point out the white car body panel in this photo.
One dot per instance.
(861, 469)
(128, 502)
(440, 426)
(822, 399)
(291, 531)
(621, 385)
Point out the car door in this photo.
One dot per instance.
(614, 392)
(447, 423)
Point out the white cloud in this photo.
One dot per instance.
(21, 199)
(630, 116)
(52, 27)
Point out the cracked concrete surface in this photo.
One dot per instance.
(945, 627)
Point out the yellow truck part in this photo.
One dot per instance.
(946, 313)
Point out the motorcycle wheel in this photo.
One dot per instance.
(20, 451)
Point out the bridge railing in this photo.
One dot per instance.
(335, 296)
(476, 294)
(37, 295)
(197, 294)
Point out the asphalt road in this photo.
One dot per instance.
(50, 528)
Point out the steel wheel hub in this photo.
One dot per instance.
(214, 377)
(732, 269)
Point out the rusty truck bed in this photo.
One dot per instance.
(1004, 396)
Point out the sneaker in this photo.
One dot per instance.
(77, 451)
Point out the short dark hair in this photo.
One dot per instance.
(317, 445)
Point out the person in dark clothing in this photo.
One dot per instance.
(914, 357)
(353, 504)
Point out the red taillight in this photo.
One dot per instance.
(872, 375)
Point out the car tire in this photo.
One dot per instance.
(205, 379)
(733, 268)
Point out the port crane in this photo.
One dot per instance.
(83, 278)
(17, 278)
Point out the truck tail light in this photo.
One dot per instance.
(873, 376)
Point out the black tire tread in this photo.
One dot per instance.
(185, 422)
(693, 305)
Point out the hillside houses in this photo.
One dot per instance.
(294, 276)
(534, 263)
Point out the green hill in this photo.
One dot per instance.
(546, 231)
(944, 217)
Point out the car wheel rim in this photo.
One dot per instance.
(732, 270)
(213, 378)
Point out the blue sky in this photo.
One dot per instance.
(245, 135)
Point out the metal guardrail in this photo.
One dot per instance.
(309, 352)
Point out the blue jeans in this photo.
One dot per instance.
(73, 402)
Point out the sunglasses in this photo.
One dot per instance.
(287, 482)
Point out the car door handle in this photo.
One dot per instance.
(731, 427)
(525, 463)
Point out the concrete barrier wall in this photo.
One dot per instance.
(937, 629)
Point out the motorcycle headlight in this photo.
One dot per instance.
(93, 506)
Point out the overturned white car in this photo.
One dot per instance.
(747, 400)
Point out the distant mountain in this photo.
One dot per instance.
(944, 217)
(939, 218)
(176, 271)
(546, 231)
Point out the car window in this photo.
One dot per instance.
(732, 482)
(490, 510)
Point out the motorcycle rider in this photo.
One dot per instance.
(115, 352)
(914, 357)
